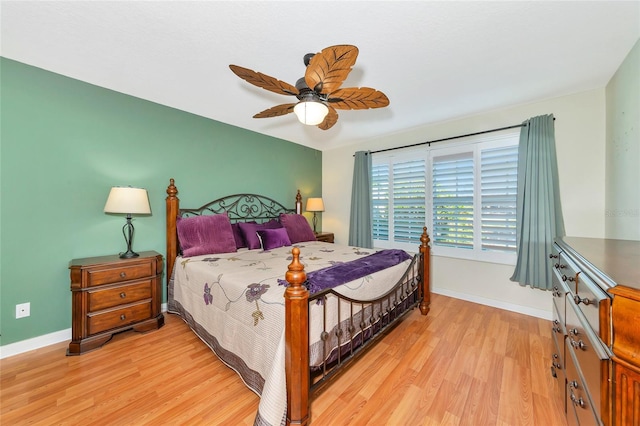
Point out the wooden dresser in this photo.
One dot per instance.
(600, 284)
(110, 295)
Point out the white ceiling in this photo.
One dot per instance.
(435, 61)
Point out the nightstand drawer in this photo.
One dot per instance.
(120, 295)
(124, 316)
(120, 273)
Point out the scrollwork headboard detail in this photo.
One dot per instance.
(239, 207)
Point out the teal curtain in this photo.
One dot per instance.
(360, 223)
(538, 212)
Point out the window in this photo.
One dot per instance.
(464, 192)
(399, 208)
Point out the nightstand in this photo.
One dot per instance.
(327, 237)
(110, 295)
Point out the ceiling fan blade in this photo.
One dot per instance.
(329, 120)
(358, 98)
(262, 80)
(275, 111)
(329, 68)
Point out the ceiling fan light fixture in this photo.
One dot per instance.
(311, 112)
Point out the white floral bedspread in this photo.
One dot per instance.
(235, 303)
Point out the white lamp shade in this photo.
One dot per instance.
(315, 205)
(127, 200)
(311, 112)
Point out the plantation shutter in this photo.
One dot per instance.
(452, 190)
(499, 186)
(380, 201)
(408, 200)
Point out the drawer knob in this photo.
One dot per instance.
(573, 384)
(565, 278)
(577, 401)
(123, 295)
(579, 344)
(123, 274)
(578, 300)
(573, 331)
(123, 317)
(553, 256)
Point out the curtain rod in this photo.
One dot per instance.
(450, 138)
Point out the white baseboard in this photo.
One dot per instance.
(41, 341)
(34, 343)
(534, 312)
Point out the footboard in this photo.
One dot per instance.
(363, 324)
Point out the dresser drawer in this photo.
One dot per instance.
(121, 295)
(578, 401)
(589, 353)
(107, 320)
(119, 273)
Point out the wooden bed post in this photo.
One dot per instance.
(425, 256)
(297, 342)
(173, 205)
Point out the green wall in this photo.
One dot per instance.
(65, 143)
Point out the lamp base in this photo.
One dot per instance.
(128, 255)
(127, 231)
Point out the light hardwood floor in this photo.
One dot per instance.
(465, 364)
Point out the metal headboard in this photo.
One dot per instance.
(241, 208)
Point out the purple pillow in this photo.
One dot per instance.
(205, 235)
(237, 235)
(273, 238)
(249, 232)
(297, 227)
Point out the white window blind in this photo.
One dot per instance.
(408, 201)
(499, 186)
(380, 201)
(452, 190)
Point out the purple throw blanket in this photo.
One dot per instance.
(348, 271)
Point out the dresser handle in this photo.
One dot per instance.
(123, 317)
(565, 278)
(573, 384)
(123, 274)
(553, 256)
(573, 331)
(579, 344)
(123, 295)
(578, 300)
(577, 401)
(556, 364)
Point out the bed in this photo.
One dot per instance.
(289, 314)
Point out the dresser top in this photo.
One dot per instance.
(98, 260)
(619, 260)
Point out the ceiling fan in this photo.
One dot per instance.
(318, 92)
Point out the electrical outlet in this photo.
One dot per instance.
(23, 310)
